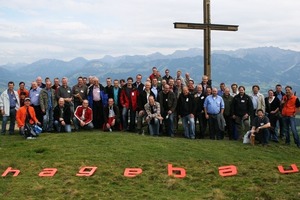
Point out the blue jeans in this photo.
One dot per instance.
(154, 127)
(125, 119)
(58, 126)
(48, 120)
(290, 122)
(12, 116)
(189, 126)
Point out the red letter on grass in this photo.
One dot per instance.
(179, 172)
(86, 171)
(10, 170)
(230, 170)
(293, 170)
(132, 172)
(48, 172)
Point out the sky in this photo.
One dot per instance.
(31, 30)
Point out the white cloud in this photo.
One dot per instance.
(31, 30)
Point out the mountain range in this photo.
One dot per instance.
(265, 66)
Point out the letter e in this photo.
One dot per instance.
(230, 170)
(132, 172)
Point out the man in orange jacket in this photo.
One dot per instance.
(26, 115)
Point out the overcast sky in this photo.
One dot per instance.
(65, 29)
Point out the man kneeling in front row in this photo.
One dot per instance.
(260, 127)
(111, 116)
(83, 116)
(26, 118)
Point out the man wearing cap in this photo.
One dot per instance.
(26, 114)
(9, 104)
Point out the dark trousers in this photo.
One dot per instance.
(200, 117)
(214, 131)
(262, 136)
(98, 119)
(229, 126)
(38, 113)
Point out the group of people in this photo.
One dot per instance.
(156, 106)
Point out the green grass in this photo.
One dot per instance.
(257, 178)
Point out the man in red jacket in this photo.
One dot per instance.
(83, 116)
(129, 102)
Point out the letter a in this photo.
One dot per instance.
(293, 170)
(230, 170)
(132, 172)
(48, 172)
(179, 172)
(86, 171)
(10, 170)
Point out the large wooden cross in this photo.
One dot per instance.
(207, 27)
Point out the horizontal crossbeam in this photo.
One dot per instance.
(217, 27)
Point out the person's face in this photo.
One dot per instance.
(214, 92)
(288, 92)
(110, 102)
(227, 92)
(48, 85)
(222, 87)
(116, 84)
(208, 91)
(241, 91)
(122, 83)
(178, 82)
(199, 89)
(84, 81)
(234, 88)
(154, 82)
(178, 74)
(22, 86)
(85, 104)
(167, 73)
(166, 88)
(204, 80)
(108, 82)
(278, 89)
(151, 100)
(80, 81)
(270, 93)
(61, 102)
(138, 79)
(96, 81)
(147, 86)
(185, 91)
(129, 82)
(171, 82)
(260, 114)
(39, 81)
(64, 82)
(27, 103)
(154, 71)
(56, 81)
(255, 90)
(191, 84)
(34, 85)
(10, 86)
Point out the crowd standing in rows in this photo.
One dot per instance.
(160, 102)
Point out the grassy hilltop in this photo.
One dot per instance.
(257, 178)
